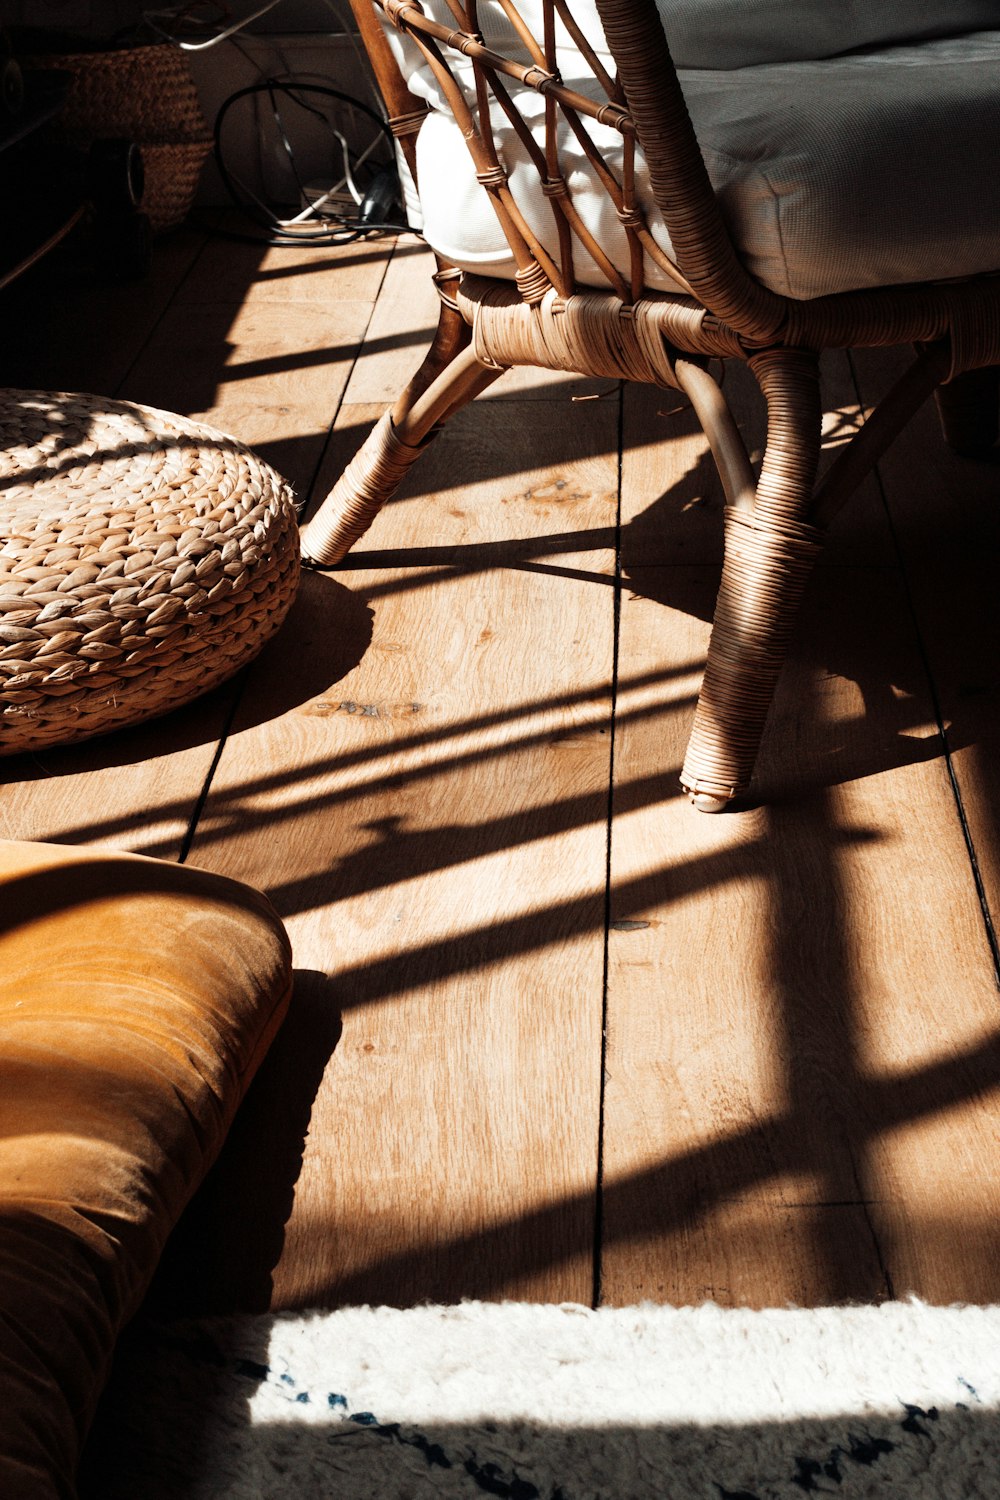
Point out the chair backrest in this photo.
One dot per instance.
(543, 79)
(558, 98)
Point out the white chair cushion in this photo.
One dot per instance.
(873, 169)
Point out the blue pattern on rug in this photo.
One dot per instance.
(488, 1477)
(196, 1416)
(864, 1449)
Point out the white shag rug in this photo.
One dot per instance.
(557, 1403)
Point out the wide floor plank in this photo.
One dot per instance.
(946, 510)
(796, 1108)
(433, 826)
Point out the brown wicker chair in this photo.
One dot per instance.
(776, 518)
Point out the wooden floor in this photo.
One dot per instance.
(556, 1035)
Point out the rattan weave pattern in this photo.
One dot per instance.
(144, 558)
(147, 94)
(478, 61)
(172, 170)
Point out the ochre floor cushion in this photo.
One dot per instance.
(144, 558)
(136, 1000)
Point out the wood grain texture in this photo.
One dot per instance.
(432, 825)
(803, 1056)
(402, 326)
(135, 790)
(262, 342)
(66, 330)
(802, 1083)
(946, 510)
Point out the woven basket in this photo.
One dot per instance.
(144, 558)
(172, 171)
(147, 95)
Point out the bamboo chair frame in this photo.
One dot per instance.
(775, 518)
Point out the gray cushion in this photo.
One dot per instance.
(871, 169)
(859, 171)
(743, 33)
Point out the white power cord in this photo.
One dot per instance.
(153, 19)
(330, 216)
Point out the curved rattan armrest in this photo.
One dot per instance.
(679, 178)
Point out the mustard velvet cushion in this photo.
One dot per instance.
(136, 1000)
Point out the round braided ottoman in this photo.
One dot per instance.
(144, 558)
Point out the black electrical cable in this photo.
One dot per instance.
(347, 229)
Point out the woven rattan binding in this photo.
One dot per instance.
(777, 516)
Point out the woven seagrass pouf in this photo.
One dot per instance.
(144, 558)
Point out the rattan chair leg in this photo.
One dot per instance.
(374, 474)
(969, 409)
(370, 479)
(451, 338)
(770, 553)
